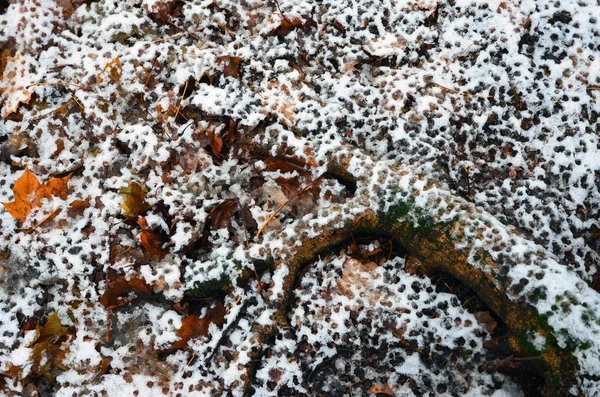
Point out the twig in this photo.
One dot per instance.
(50, 216)
(185, 31)
(60, 83)
(305, 188)
(181, 100)
(445, 88)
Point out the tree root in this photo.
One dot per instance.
(520, 281)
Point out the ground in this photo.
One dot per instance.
(266, 197)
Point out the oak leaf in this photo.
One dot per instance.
(134, 196)
(29, 193)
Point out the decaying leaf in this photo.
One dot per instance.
(134, 196)
(193, 326)
(29, 193)
(151, 241)
(120, 291)
(231, 66)
(48, 350)
(14, 87)
(77, 207)
(485, 319)
(382, 389)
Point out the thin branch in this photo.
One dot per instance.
(81, 87)
(304, 189)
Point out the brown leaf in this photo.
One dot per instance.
(49, 349)
(193, 326)
(220, 215)
(134, 199)
(119, 289)
(231, 67)
(78, 207)
(286, 25)
(29, 193)
(485, 319)
(151, 241)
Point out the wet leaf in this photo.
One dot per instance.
(48, 350)
(29, 193)
(194, 327)
(221, 214)
(120, 291)
(134, 197)
(485, 319)
(151, 241)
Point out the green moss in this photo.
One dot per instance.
(208, 288)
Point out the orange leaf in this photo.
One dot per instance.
(29, 193)
(25, 188)
(55, 187)
(193, 326)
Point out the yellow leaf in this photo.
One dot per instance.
(134, 199)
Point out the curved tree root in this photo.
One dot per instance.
(519, 280)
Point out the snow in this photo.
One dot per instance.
(494, 101)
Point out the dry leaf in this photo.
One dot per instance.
(151, 241)
(485, 319)
(48, 351)
(134, 197)
(77, 207)
(382, 389)
(286, 25)
(14, 86)
(193, 326)
(119, 291)
(29, 193)
(231, 67)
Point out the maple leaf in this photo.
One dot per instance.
(48, 350)
(134, 197)
(29, 193)
(193, 326)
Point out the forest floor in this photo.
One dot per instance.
(163, 163)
